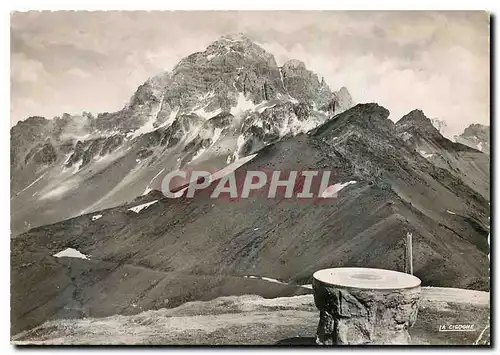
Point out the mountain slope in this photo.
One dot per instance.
(213, 107)
(187, 249)
(476, 136)
(464, 162)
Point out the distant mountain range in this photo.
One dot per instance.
(83, 183)
(476, 136)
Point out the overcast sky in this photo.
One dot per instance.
(93, 61)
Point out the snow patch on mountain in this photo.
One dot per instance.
(77, 166)
(58, 191)
(239, 144)
(265, 105)
(198, 154)
(287, 98)
(273, 280)
(231, 167)
(139, 208)
(168, 122)
(297, 126)
(242, 105)
(70, 253)
(66, 158)
(33, 183)
(425, 154)
(265, 279)
(149, 125)
(332, 190)
(406, 136)
(148, 189)
(206, 114)
(217, 135)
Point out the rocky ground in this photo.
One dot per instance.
(253, 320)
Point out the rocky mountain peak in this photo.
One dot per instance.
(32, 120)
(236, 45)
(416, 126)
(476, 129)
(232, 91)
(304, 85)
(415, 116)
(476, 136)
(294, 64)
(235, 37)
(371, 112)
(368, 117)
(343, 92)
(416, 119)
(440, 125)
(341, 100)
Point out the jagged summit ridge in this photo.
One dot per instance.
(220, 104)
(415, 126)
(415, 117)
(294, 64)
(460, 160)
(230, 65)
(234, 65)
(366, 120)
(304, 85)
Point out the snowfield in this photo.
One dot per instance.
(70, 253)
(139, 208)
(332, 190)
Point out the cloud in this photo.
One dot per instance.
(79, 73)
(438, 62)
(435, 61)
(26, 70)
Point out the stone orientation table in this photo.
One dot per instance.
(365, 306)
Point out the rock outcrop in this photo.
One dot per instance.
(361, 306)
(365, 317)
(440, 125)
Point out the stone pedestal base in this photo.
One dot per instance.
(365, 306)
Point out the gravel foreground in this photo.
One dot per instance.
(253, 320)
